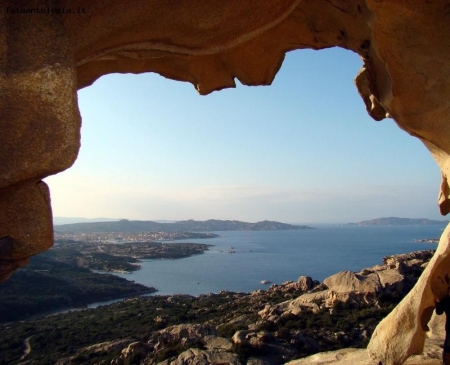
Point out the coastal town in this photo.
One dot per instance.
(123, 257)
(124, 237)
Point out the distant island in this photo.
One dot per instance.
(125, 225)
(395, 221)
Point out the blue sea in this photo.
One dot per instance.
(279, 256)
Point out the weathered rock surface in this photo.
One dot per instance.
(347, 281)
(189, 336)
(431, 354)
(201, 357)
(95, 349)
(305, 283)
(217, 343)
(397, 275)
(184, 334)
(45, 57)
(26, 224)
(270, 349)
(402, 333)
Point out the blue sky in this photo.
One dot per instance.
(302, 150)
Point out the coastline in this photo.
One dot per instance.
(281, 312)
(274, 256)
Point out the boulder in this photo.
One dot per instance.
(242, 337)
(202, 357)
(305, 301)
(347, 281)
(217, 343)
(305, 283)
(393, 280)
(135, 352)
(185, 334)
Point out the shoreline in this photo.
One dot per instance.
(93, 305)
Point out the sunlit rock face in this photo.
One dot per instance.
(46, 57)
(402, 333)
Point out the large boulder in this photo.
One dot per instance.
(305, 283)
(347, 281)
(202, 357)
(217, 343)
(184, 334)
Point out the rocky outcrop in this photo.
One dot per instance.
(397, 275)
(270, 349)
(305, 283)
(403, 332)
(431, 354)
(184, 334)
(307, 301)
(85, 352)
(200, 341)
(201, 357)
(338, 316)
(46, 56)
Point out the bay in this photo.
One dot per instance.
(279, 256)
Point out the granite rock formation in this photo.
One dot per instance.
(397, 275)
(431, 354)
(47, 53)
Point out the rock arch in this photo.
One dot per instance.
(49, 51)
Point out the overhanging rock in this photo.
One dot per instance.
(47, 53)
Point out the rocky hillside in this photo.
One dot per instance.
(286, 322)
(125, 225)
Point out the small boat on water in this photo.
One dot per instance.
(264, 282)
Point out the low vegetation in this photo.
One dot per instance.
(61, 335)
(46, 285)
(63, 278)
(264, 324)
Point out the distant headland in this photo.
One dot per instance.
(125, 225)
(395, 221)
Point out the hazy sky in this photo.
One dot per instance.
(302, 150)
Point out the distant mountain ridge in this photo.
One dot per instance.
(125, 225)
(396, 221)
(72, 220)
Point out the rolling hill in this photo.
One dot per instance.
(125, 225)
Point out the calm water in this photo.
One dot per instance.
(279, 256)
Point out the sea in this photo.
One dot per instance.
(239, 261)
